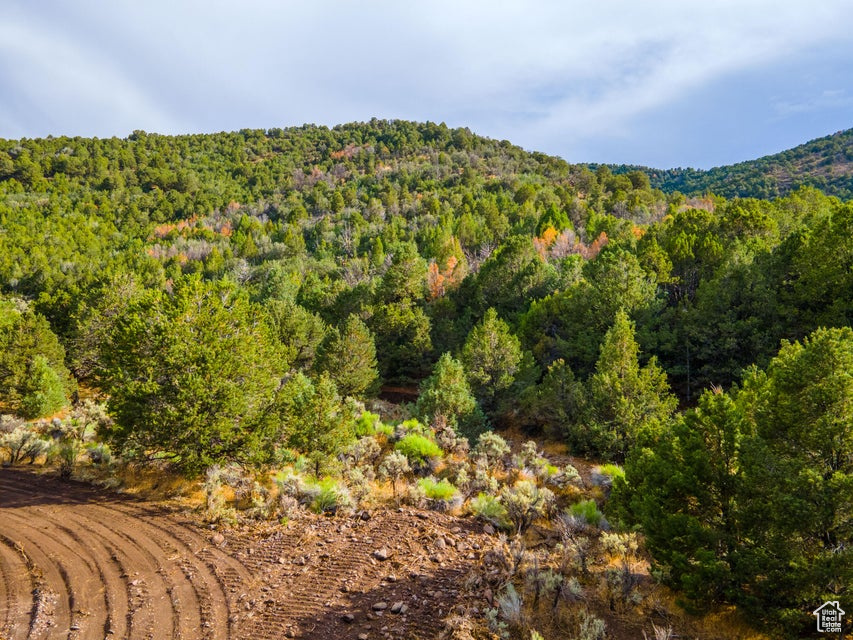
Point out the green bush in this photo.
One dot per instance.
(435, 490)
(43, 390)
(64, 453)
(587, 511)
(489, 508)
(612, 470)
(438, 495)
(525, 502)
(368, 424)
(412, 426)
(326, 496)
(418, 448)
(385, 429)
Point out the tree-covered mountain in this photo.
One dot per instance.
(825, 163)
(234, 296)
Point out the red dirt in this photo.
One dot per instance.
(79, 563)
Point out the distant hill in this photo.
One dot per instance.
(825, 163)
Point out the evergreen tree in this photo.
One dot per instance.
(43, 391)
(406, 276)
(510, 279)
(557, 403)
(749, 498)
(192, 375)
(446, 393)
(313, 419)
(403, 342)
(625, 400)
(29, 348)
(683, 490)
(797, 513)
(348, 357)
(491, 357)
(299, 331)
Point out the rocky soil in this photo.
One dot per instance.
(79, 563)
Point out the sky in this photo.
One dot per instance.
(658, 83)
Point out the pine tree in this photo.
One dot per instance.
(29, 348)
(192, 375)
(313, 419)
(624, 399)
(446, 393)
(491, 357)
(43, 392)
(348, 357)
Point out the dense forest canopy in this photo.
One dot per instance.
(235, 295)
(825, 163)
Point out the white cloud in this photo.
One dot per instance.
(828, 99)
(68, 85)
(533, 72)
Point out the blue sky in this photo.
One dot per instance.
(659, 83)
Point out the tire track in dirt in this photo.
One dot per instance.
(82, 596)
(120, 553)
(321, 577)
(78, 564)
(214, 576)
(105, 567)
(20, 589)
(174, 589)
(51, 616)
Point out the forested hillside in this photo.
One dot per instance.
(825, 163)
(234, 297)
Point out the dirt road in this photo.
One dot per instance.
(78, 563)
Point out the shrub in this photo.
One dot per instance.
(511, 606)
(586, 511)
(99, 453)
(215, 508)
(43, 390)
(418, 448)
(289, 483)
(302, 464)
(368, 424)
(358, 480)
(606, 475)
(564, 477)
(284, 456)
(412, 426)
(482, 480)
(386, 430)
(447, 438)
(489, 508)
(394, 467)
(325, 496)
(491, 447)
(9, 423)
(529, 458)
(65, 453)
(591, 627)
(439, 491)
(524, 503)
(35, 448)
(23, 443)
(85, 420)
(287, 506)
(364, 450)
(260, 502)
